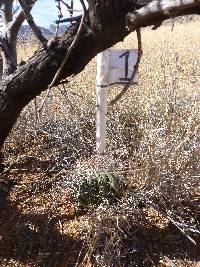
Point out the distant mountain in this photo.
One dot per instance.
(25, 30)
(62, 28)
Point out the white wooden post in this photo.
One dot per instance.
(101, 118)
(103, 65)
(114, 67)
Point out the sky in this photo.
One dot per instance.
(45, 11)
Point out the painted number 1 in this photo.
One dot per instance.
(126, 55)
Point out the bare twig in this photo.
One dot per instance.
(71, 47)
(37, 117)
(65, 59)
(68, 19)
(64, 92)
(32, 23)
(126, 87)
(84, 7)
(16, 9)
(67, 5)
(70, 8)
(44, 100)
(59, 17)
(182, 230)
(165, 214)
(74, 10)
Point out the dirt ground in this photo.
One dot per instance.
(40, 227)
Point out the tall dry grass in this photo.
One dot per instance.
(160, 114)
(153, 141)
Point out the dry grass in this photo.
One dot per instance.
(153, 141)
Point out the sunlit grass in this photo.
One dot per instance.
(153, 139)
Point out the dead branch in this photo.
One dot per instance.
(67, 5)
(84, 7)
(72, 19)
(17, 22)
(32, 23)
(11, 62)
(66, 57)
(43, 101)
(71, 47)
(160, 10)
(19, 19)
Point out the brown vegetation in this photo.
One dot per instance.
(153, 142)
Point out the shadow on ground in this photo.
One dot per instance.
(33, 240)
(150, 246)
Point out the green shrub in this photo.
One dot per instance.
(95, 183)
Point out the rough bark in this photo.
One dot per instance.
(104, 27)
(159, 10)
(8, 57)
(31, 22)
(18, 89)
(8, 42)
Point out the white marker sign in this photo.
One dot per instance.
(114, 67)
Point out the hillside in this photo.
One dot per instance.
(25, 31)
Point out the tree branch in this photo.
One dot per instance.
(1, 3)
(17, 22)
(7, 15)
(10, 66)
(71, 19)
(31, 22)
(12, 27)
(160, 10)
(31, 79)
(8, 47)
(71, 46)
